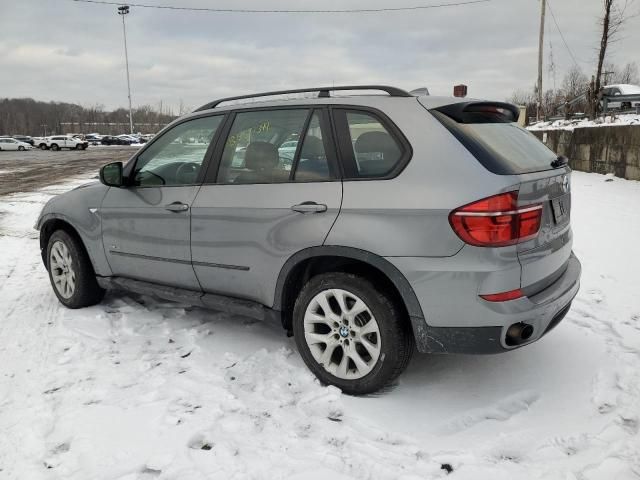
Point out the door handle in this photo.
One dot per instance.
(177, 207)
(309, 207)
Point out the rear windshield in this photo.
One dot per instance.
(501, 145)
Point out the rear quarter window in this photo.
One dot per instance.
(371, 146)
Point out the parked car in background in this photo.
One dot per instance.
(130, 138)
(8, 143)
(405, 222)
(622, 89)
(59, 142)
(286, 152)
(111, 140)
(93, 139)
(24, 138)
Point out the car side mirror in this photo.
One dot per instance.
(111, 175)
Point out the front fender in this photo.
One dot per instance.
(78, 210)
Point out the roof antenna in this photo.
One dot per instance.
(418, 92)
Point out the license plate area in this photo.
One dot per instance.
(561, 209)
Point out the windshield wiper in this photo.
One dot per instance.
(561, 161)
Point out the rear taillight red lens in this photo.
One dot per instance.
(504, 296)
(496, 221)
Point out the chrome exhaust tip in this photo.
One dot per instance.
(518, 333)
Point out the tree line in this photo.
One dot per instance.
(26, 116)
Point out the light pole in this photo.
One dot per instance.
(122, 11)
(540, 48)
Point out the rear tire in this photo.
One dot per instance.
(362, 344)
(71, 273)
(42, 146)
(55, 147)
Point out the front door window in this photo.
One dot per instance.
(177, 156)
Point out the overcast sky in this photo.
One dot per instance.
(68, 51)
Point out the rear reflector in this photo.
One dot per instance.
(504, 296)
(496, 221)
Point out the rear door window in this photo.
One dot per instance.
(312, 164)
(261, 146)
(276, 146)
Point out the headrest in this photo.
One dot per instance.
(261, 156)
(371, 142)
(312, 147)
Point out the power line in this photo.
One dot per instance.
(561, 35)
(248, 10)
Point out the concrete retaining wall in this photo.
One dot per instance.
(598, 149)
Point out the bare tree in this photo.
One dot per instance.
(527, 98)
(613, 18)
(574, 84)
(628, 74)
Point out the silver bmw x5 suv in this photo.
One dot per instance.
(368, 225)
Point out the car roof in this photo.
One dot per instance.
(375, 101)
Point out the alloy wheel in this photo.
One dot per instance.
(342, 334)
(62, 271)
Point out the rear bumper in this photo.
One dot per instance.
(483, 330)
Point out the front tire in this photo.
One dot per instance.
(21, 148)
(71, 273)
(350, 334)
(43, 146)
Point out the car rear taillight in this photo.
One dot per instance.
(496, 221)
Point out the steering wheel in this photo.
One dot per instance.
(187, 173)
(138, 178)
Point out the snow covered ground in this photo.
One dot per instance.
(607, 121)
(137, 388)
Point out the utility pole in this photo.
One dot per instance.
(540, 55)
(122, 11)
(606, 76)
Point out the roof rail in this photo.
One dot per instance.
(323, 92)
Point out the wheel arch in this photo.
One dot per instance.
(48, 227)
(315, 260)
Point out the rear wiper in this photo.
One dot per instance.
(561, 161)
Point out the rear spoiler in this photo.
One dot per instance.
(481, 112)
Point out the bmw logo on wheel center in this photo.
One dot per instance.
(344, 331)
